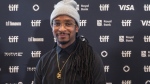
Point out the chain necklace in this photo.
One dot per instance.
(59, 73)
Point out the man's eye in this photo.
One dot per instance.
(68, 24)
(57, 24)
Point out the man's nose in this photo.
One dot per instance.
(62, 27)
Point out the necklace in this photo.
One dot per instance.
(59, 73)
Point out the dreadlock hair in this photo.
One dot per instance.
(82, 61)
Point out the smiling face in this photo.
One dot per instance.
(64, 30)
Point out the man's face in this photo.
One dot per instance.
(64, 29)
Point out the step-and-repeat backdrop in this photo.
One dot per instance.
(119, 30)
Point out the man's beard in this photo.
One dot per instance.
(62, 42)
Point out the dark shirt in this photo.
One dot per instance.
(47, 68)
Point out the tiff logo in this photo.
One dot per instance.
(104, 7)
(13, 39)
(13, 7)
(145, 22)
(13, 69)
(146, 38)
(126, 53)
(126, 82)
(83, 22)
(126, 22)
(104, 38)
(145, 53)
(106, 68)
(126, 68)
(126, 7)
(147, 82)
(146, 68)
(36, 54)
(13, 53)
(31, 68)
(35, 23)
(146, 7)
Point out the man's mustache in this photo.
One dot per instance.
(64, 33)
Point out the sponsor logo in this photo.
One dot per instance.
(147, 82)
(104, 53)
(126, 7)
(126, 68)
(145, 53)
(15, 83)
(31, 68)
(36, 7)
(33, 39)
(126, 82)
(82, 7)
(13, 54)
(10, 23)
(145, 22)
(104, 22)
(126, 38)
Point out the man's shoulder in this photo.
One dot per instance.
(47, 55)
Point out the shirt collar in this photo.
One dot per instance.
(68, 49)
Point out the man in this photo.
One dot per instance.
(72, 60)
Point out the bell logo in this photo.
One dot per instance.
(147, 82)
(36, 7)
(126, 68)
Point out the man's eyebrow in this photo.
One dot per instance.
(63, 20)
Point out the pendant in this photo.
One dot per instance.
(59, 75)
